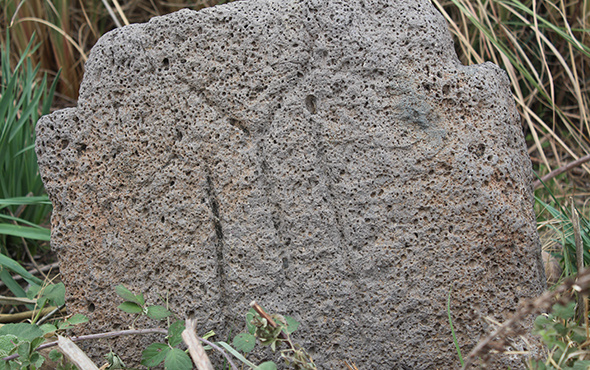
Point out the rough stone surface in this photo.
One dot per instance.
(331, 159)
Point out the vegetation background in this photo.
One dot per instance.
(544, 45)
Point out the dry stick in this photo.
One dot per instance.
(75, 354)
(50, 315)
(16, 317)
(194, 347)
(539, 183)
(269, 319)
(217, 348)
(581, 285)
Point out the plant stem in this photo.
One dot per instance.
(539, 183)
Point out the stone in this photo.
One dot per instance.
(332, 160)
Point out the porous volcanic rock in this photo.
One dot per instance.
(331, 159)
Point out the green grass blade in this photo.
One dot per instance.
(11, 284)
(17, 201)
(26, 232)
(14, 266)
(19, 220)
(453, 329)
(236, 354)
(49, 98)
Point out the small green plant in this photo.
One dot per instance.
(272, 330)
(25, 339)
(560, 221)
(565, 339)
(156, 353)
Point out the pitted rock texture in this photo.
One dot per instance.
(332, 160)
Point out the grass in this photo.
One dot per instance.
(545, 49)
(23, 206)
(70, 28)
(543, 45)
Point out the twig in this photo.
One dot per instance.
(217, 348)
(49, 315)
(581, 285)
(15, 301)
(539, 183)
(194, 347)
(75, 354)
(269, 319)
(24, 315)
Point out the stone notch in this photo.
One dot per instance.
(332, 160)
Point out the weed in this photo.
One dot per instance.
(564, 338)
(20, 343)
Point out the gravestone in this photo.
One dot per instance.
(332, 160)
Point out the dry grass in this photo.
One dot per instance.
(545, 48)
(544, 45)
(69, 28)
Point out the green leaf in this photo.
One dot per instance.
(268, 365)
(55, 355)
(177, 359)
(33, 291)
(578, 335)
(17, 201)
(250, 315)
(140, 299)
(77, 319)
(130, 307)
(7, 342)
(128, 296)
(581, 365)
(292, 324)
(565, 312)
(37, 360)
(158, 312)
(23, 331)
(208, 334)
(154, 354)
(542, 321)
(54, 293)
(114, 361)
(12, 285)
(48, 328)
(24, 349)
(37, 342)
(175, 333)
(244, 342)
